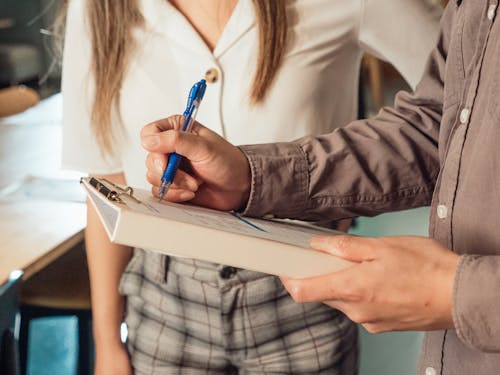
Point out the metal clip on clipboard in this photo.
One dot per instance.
(114, 192)
(112, 195)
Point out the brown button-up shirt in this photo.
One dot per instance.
(439, 146)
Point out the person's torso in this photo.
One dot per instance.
(314, 91)
(464, 214)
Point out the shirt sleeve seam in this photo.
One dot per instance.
(307, 177)
(342, 200)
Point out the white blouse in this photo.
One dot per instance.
(315, 90)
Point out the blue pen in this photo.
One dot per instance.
(174, 159)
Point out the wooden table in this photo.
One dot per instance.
(34, 232)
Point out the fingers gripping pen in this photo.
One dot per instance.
(174, 159)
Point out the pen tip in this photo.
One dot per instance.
(163, 190)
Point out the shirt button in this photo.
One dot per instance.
(212, 75)
(430, 371)
(491, 11)
(227, 272)
(442, 211)
(464, 115)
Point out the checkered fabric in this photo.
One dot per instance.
(191, 317)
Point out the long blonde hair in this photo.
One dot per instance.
(111, 23)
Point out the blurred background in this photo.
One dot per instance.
(30, 77)
(26, 48)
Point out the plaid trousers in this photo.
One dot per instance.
(191, 317)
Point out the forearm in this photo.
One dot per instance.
(383, 164)
(107, 262)
(387, 163)
(365, 169)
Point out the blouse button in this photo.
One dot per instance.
(491, 11)
(442, 211)
(212, 75)
(430, 371)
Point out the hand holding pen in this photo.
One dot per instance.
(219, 173)
(194, 99)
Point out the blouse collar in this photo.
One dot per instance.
(163, 18)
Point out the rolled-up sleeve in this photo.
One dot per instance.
(476, 301)
(279, 175)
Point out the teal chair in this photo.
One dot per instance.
(60, 289)
(9, 316)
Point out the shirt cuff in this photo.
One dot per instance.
(280, 180)
(476, 299)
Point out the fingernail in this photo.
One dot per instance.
(151, 141)
(158, 165)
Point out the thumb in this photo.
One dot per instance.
(352, 248)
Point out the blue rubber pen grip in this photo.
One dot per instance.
(174, 160)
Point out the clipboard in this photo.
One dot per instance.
(133, 217)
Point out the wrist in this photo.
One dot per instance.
(108, 343)
(246, 182)
(107, 336)
(446, 313)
